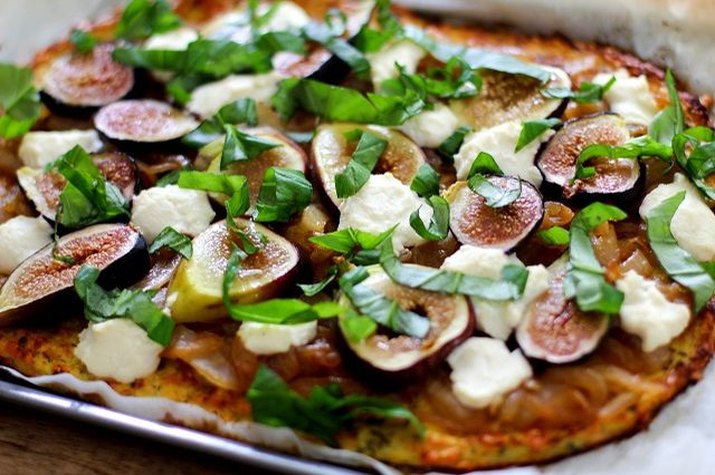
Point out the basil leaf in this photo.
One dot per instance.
(494, 196)
(323, 413)
(19, 101)
(357, 327)
(426, 181)
(676, 261)
(173, 239)
(700, 163)
(670, 121)
(455, 80)
(585, 278)
(276, 41)
(449, 148)
(370, 40)
(239, 146)
(101, 305)
(484, 164)
(235, 186)
(83, 41)
(385, 311)
(368, 151)
(587, 92)
(322, 34)
(284, 192)
(644, 146)
(87, 198)
(346, 241)
(341, 104)
(439, 223)
(532, 130)
(311, 290)
(143, 18)
(555, 236)
(242, 111)
(511, 286)
(275, 311)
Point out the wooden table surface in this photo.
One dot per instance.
(34, 442)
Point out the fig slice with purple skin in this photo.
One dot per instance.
(46, 278)
(554, 329)
(393, 358)
(143, 121)
(287, 155)
(195, 290)
(331, 151)
(80, 81)
(43, 188)
(473, 222)
(614, 178)
(509, 97)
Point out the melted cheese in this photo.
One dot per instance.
(382, 63)
(630, 97)
(269, 339)
(206, 100)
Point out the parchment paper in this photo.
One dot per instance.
(681, 440)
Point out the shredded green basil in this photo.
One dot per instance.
(19, 101)
(242, 111)
(439, 223)
(83, 41)
(426, 181)
(644, 146)
(143, 18)
(670, 121)
(532, 130)
(284, 192)
(449, 148)
(555, 236)
(369, 149)
(173, 239)
(587, 92)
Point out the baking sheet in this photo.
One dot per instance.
(681, 439)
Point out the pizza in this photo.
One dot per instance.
(348, 231)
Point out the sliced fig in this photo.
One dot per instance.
(554, 329)
(162, 266)
(195, 291)
(510, 97)
(43, 188)
(614, 178)
(394, 358)
(331, 152)
(287, 155)
(144, 121)
(87, 80)
(43, 279)
(475, 223)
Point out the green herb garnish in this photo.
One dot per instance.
(173, 239)
(19, 101)
(284, 192)
(587, 93)
(532, 130)
(439, 223)
(143, 18)
(369, 149)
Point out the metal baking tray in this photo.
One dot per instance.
(19, 392)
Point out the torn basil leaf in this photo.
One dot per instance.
(239, 146)
(174, 240)
(585, 279)
(484, 164)
(555, 236)
(284, 192)
(449, 148)
(670, 121)
(242, 111)
(101, 305)
(676, 261)
(357, 328)
(143, 18)
(439, 223)
(311, 290)
(644, 146)
(494, 196)
(348, 241)
(83, 41)
(454, 80)
(426, 181)
(694, 151)
(587, 92)
(19, 101)
(369, 149)
(532, 130)
(325, 36)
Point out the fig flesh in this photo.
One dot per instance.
(195, 291)
(91, 80)
(119, 251)
(394, 358)
(331, 152)
(555, 330)
(43, 188)
(614, 178)
(475, 223)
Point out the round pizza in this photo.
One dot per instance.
(347, 231)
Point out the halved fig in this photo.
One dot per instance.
(89, 80)
(614, 178)
(43, 188)
(195, 291)
(394, 358)
(287, 155)
(509, 97)
(331, 152)
(554, 329)
(475, 223)
(162, 266)
(43, 279)
(144, 121)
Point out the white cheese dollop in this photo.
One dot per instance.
(693, 222)
(118, 349)
(500, 142)
(629, 96)
(269, 339)
(234, 25)
(206, 100)
(382, 63)
(646, 312)
(432, 127)
(483, 371)
(187, 211)
(174, 40)
(497, 319)
(40, 148)
(380, 204)
(21, 237)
